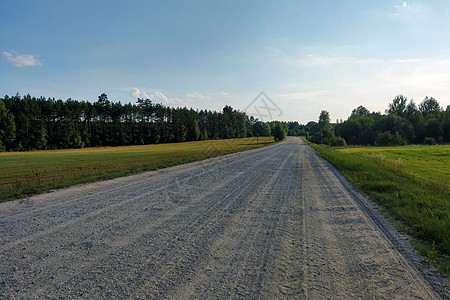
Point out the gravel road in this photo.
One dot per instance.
(272, 223)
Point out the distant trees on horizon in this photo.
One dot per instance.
(403, 123)
(29, 123)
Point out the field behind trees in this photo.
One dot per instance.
(23, 173)
(412, 183)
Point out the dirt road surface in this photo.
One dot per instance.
(271, 223)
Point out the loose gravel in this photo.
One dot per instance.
(272, 223)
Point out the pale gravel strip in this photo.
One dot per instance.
(82, 196)
(271, 223)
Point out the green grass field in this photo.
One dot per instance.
(412, 183)
(26, 173)
(425, 163)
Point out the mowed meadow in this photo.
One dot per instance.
(429, 164)
(31, 172)
(412, 184)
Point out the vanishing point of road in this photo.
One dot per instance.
(272, 223)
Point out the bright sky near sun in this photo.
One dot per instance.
(306, 56)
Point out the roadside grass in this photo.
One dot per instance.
(411, 183)
(32, 172)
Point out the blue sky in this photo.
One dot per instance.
(305, 55)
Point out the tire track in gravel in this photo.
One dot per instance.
(250, 239)
(213, 223)
(88, 194)
(272, 223)
(105, 220)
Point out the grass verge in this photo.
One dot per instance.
(28, 173)
(411, 183)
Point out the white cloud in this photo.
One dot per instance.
(225, 94)
(137, 93)
(24, 60)
(155, 96)
(403, 5)
(428, 75)
(160, 97)
(413, 14)
(197, 95)
(311, 60)
(348, 82)
(305, 95)
(375, 82)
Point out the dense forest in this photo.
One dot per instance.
(29, 123)
(403, 123)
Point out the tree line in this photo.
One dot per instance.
(30, 123)
(403, 123)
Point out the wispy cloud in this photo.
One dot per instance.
(319, 60)
(402, 5)
(428, 76)
(197, 95)
(155, 96)
(414, 13)
(304, 95)
(137, 93)
(160, 97)
(24, 60)
(349, 82)
(300, 58)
